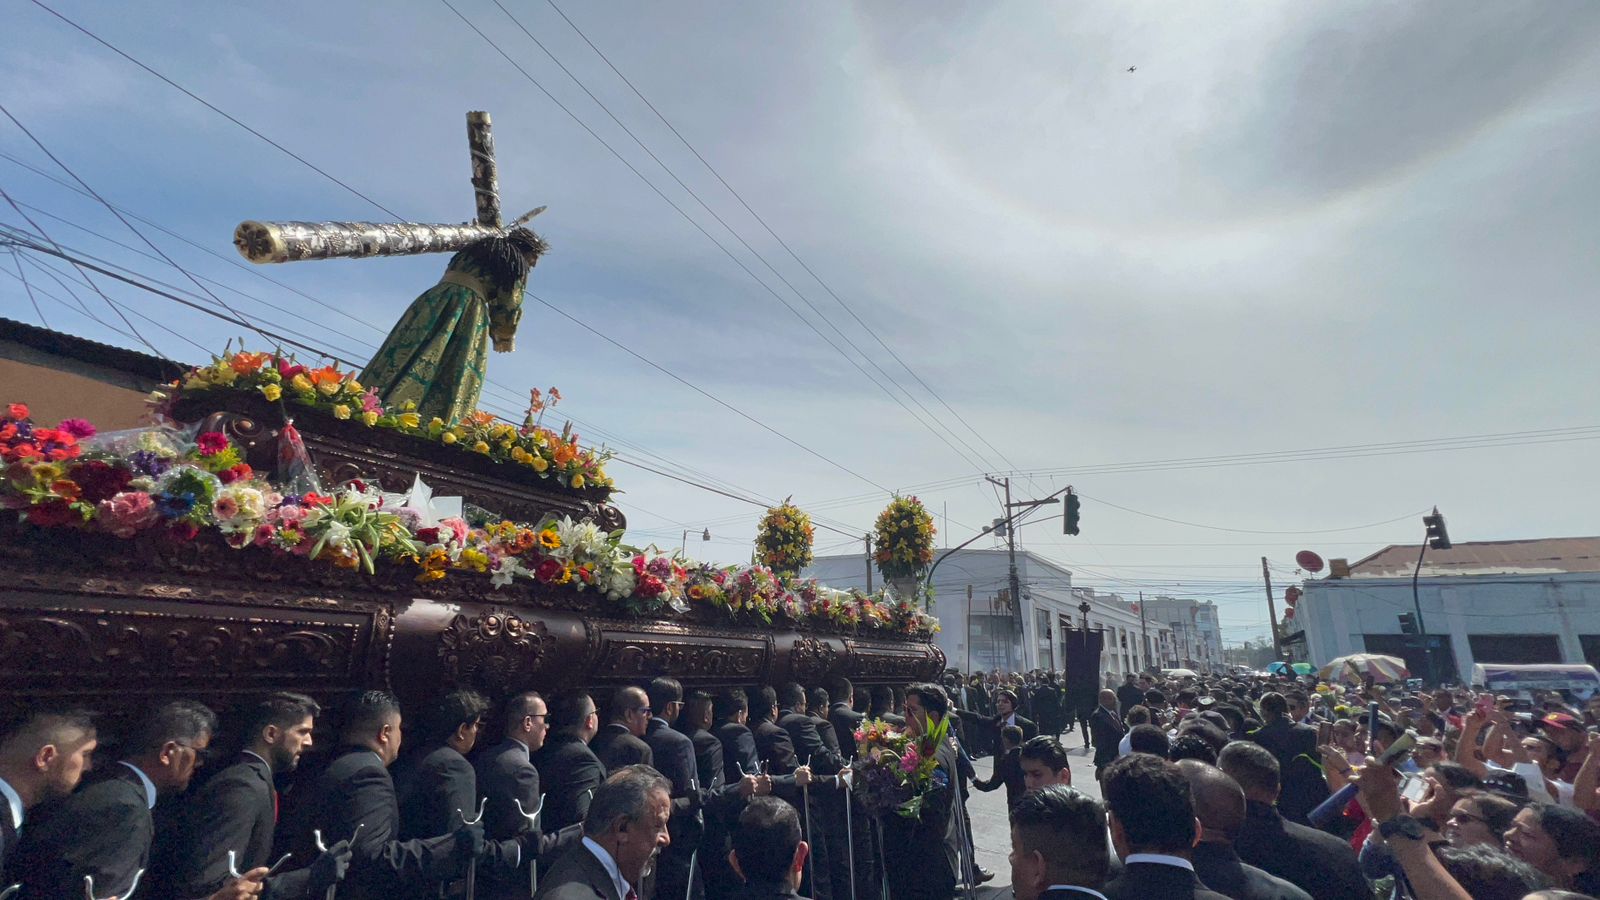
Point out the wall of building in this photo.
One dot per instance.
(52, 395)
(1538, 618)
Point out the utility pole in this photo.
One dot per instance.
(1144, 632)
(1272, 611)
(869, 562)
(1011, 521)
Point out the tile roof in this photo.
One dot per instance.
(57, 343)
(1540, 556)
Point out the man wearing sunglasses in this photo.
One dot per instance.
(105, 830)
(621, 743)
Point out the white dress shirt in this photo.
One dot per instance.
(149, 786)
(617, 881)
(1077, 889)
(13, 800)
(1160, 859)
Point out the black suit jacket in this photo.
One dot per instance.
(739, 754)
(356, 790)
(753, 890)
(577, 875)
(1295, 746)
(103, 831)
(234, 810)
(808, 743)
(1129, 696)
(1008, 772)
(570, 773)
(708, 759)
(775, 747)
(920, 853)
(1314, 861)
(1029, 728)
(1220, 869)
(829, 736)
(616, 747)
(506, 777)
(1147, 881)
(845, 722)
(432, 789)
(1106, 730)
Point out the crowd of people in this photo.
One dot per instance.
(1246, 787)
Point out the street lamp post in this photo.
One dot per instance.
(704, 536)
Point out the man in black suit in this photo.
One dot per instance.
(814, 753)
(1043, 762)
(817, 709)
(568, 770)
(1058, 845)
(626, 824)
(621, 742)
(508, 780)
(768, 851)
(922, 854)
(675, 759)
(1153, 830)
(438, 788)
(1006, 703)
(354, 798)
(43, 758)
(105, 830)
(1314, 861)
(236, 811)
(882, 706)
(1007, 768)
(1129, 695)
(775, 745)
(713, 763)
(843, 716)
(1295, 748)
(1107, 729)
(1220, 806)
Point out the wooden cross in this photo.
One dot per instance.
(276, 242)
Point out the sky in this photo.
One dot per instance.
(984, 245)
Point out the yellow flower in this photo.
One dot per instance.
(435, 424)
(410, 420)
(301, 383)
(449, 437)
(540, 464)
(271, 391)
(600, 475)
(353, 387)
(370, 417)
(577, 481)
(480, 447)
(549, 540)
(341, 411)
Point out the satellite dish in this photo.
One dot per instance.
(1308, 560)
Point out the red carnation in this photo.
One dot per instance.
(99, 480)
(650, 587)
(211, 443)
(548, 571)
(53, 514)
(428, 535)
(241, 472)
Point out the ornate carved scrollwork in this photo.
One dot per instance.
(496, 651)
(811, 660)
(688, 653)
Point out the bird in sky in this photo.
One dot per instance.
(1131, 68)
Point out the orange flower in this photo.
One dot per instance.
(478, 418)
(565, 453)
(248, 363)
(327, 380)
(66, 490)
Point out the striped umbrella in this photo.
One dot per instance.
(1357, 667)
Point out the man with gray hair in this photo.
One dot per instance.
(625, 826)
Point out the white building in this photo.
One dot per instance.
(1495, 601)
(981, 631)
(1196, 632)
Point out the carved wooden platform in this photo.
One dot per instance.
(95, 620)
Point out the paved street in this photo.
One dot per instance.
(990, 831)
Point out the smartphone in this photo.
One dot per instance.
(1324, 734)
(1414, 787)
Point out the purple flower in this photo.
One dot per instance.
(78, 428)
(144, 462)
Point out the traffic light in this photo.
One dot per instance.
(1069, 521)
(1438, 537)
(1408, 623)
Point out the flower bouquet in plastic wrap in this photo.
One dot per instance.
(895, 771)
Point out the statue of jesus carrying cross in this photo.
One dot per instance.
(437, 354)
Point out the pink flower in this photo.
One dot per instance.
(264, 535)
(909, 762)
(128, 513)
(238, 540)
(369, 402)
(211, 443)
(78, 428)
(225, 507)
(457, 527)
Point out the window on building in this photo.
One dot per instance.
(990, 640)
(1591, 648)
(1515, 648)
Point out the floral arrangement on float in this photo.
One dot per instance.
(904, 543)
(894, 771)
(783, 539)
(182, 484)
(551, 454)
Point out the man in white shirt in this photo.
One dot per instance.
(42, 758)
(625, 826)
(1058, 845)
